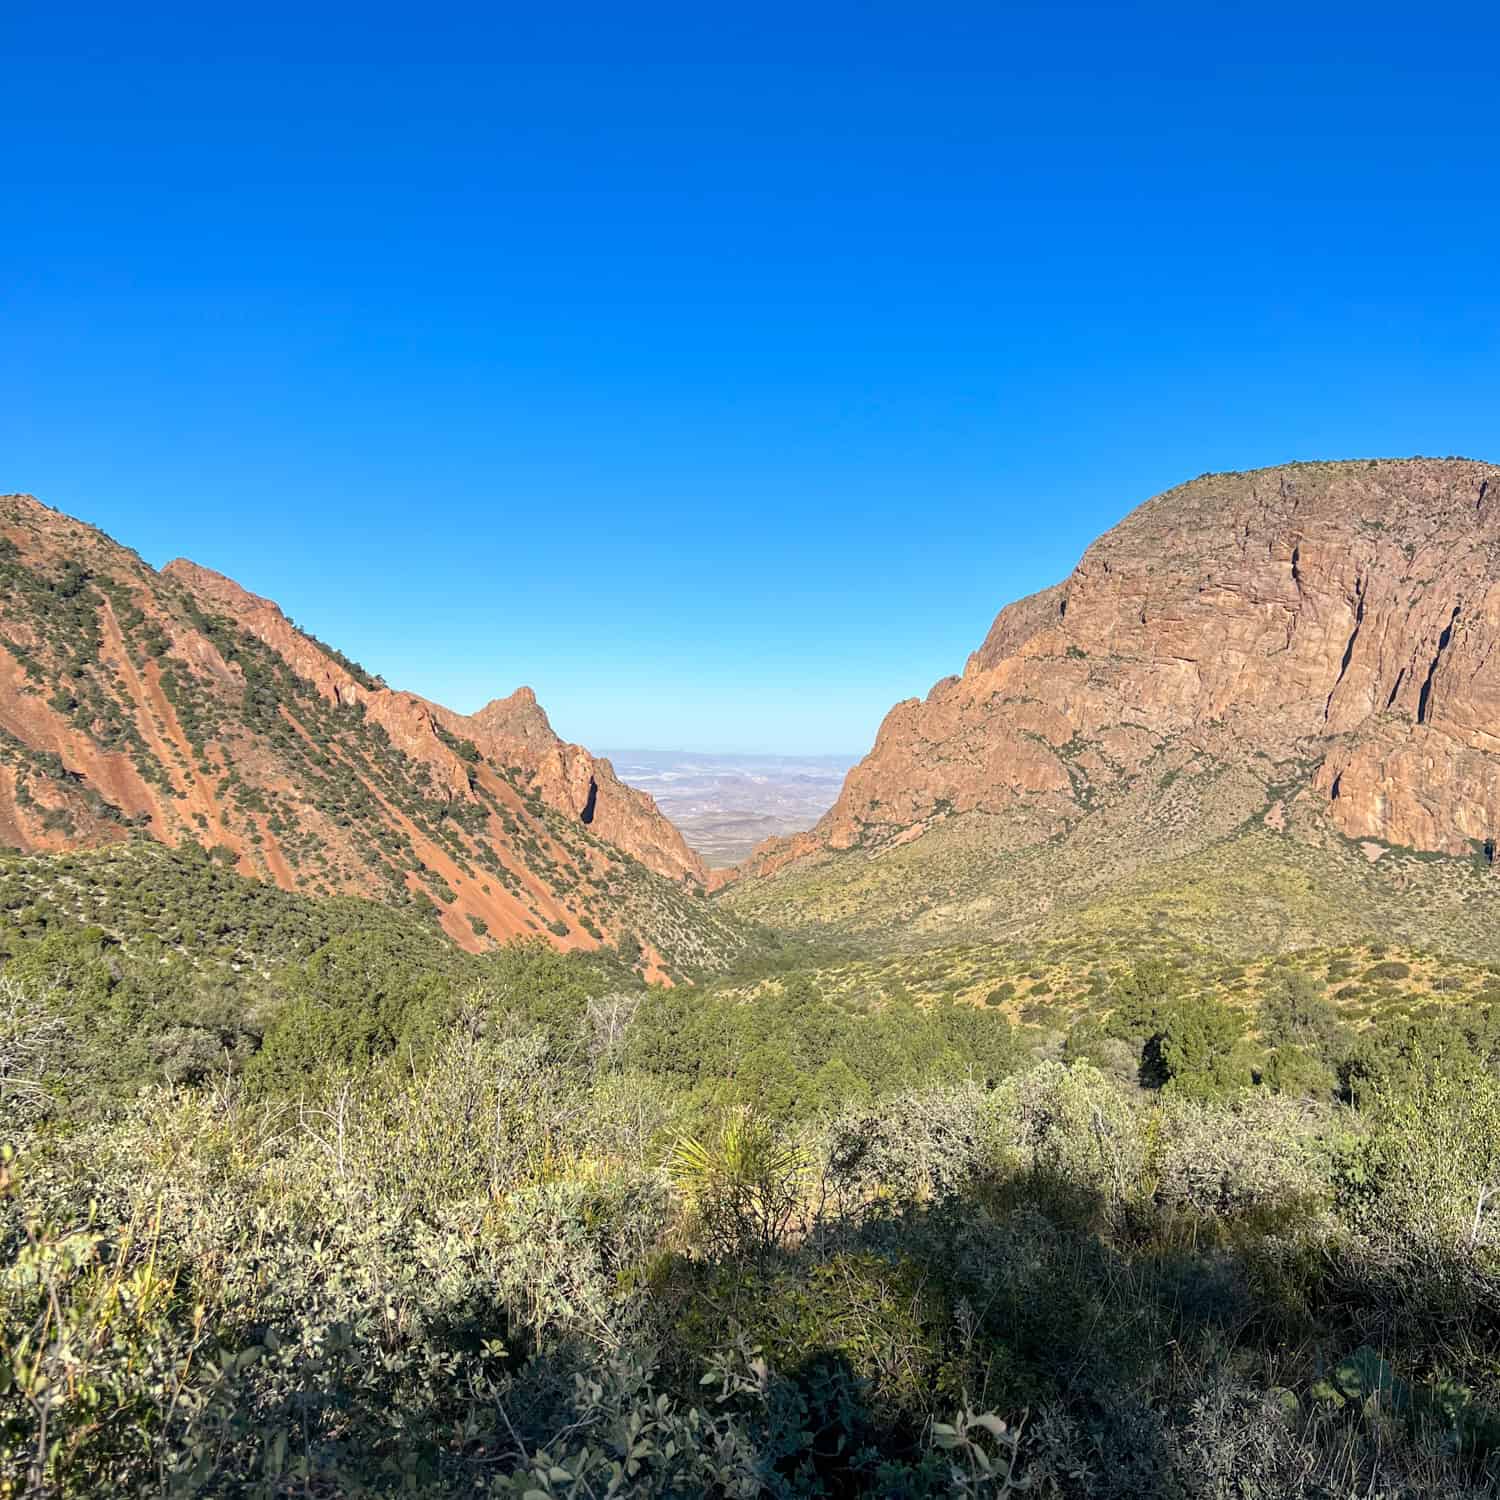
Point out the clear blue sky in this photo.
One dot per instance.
(720, 371)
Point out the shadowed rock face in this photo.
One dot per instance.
(178, 705)
(1334, 625)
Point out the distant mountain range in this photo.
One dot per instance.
(1250, 672)
(724, 805)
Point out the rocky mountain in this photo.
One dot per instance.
(175, 705)
(1317, 640)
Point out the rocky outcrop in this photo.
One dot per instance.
(513, 731)
(583, 785)
(177, 705)
(1334, 624)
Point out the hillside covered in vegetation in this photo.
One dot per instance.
(299, 1198)
(173, 705)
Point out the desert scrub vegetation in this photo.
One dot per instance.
(526, 1227)
(1209, 872)
(329, 1207)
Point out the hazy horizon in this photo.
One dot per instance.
(730, 754)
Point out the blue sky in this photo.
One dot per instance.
(720, 372)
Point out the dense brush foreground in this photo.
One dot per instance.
(304, 1201)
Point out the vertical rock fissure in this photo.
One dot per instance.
(587, 815)
(1443, 641)
(1359, 620)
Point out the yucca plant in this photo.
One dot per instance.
(744, 1183)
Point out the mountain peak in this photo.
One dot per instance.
(1329, 630)
(517, 717)
(216, 586)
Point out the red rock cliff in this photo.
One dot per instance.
(1338, 621)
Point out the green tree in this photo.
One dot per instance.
(1143, 997)
(1295, 1013)
(1197, 1052)
(1290, 1069)
(836, 1087)
(355, 1000)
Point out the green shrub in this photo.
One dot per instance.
(743, 1183)
(1197, 1052)
(1425, 1183)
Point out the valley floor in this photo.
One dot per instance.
(724, 805)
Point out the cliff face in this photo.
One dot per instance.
(178, 705)
(1333, 625)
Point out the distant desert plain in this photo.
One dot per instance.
(724, 805)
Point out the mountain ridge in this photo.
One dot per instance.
(516, 726)
(177, 704)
